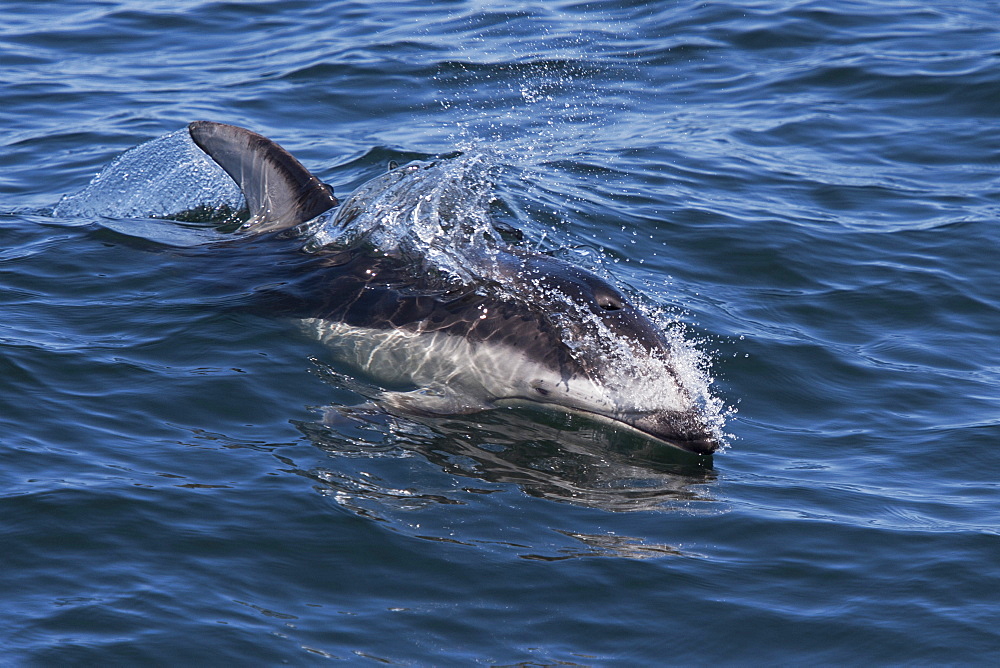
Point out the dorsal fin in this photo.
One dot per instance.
(279, 191)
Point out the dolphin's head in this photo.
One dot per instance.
(614, 364)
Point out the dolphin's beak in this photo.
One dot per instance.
(678, 429)
(681, 430)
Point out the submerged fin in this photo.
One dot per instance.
(279, 191)
(429, 401)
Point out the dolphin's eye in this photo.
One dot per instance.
(610, 302)
(540, 390)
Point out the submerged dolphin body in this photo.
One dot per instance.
(523, 328)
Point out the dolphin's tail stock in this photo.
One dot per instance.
(279, 191)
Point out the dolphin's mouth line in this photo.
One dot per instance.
(697, 446)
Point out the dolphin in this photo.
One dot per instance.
(520, 327)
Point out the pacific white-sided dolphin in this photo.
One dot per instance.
(527, 327)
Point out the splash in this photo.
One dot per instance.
(167, 177)
(435, 213)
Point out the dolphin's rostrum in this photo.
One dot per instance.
(526, 327)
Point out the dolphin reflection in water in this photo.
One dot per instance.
(546, 454)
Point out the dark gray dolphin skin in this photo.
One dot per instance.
(562, 337)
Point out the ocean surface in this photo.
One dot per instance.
(809, 190)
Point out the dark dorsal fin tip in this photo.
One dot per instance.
(279, 191)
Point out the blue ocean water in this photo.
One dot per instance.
(812, 187)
